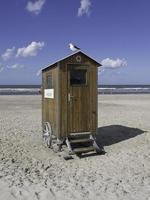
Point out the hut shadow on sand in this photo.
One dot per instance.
(112, 134)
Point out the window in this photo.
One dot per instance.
(78, 77)
(49, 81)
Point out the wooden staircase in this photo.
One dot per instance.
(79, 143)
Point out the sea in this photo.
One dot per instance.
(102, 89)
(124, 89)
(20, 89)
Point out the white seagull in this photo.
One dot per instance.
(73, 47)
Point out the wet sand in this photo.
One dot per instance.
(29, 170)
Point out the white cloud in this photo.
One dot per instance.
(30, 50)
(8, 54)
(85, 7)
(113, 63)
(1, 68)
(15, 66)
(35, 7)
(101, 70)
(39, 72)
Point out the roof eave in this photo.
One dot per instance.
(53, 64)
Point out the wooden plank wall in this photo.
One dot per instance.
(64, 93)
(93, 98)
(63, 99)
(56, 110)
(49, 106)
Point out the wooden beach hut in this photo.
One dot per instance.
(69, 102)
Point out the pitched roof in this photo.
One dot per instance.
(54, 63)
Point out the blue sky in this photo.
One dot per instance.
(35, 33)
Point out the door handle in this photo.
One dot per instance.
(70, 96)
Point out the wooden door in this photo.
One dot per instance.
(78, 99)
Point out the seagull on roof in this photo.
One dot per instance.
(73, 47)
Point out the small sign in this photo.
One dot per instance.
(49, 93)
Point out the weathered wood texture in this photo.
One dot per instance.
(49, 106)
(80, 113)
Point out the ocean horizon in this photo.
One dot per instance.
(102, 89)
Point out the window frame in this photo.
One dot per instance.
(49, 86)
(84, 80)
(78, 67)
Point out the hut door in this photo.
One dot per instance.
(78, 99)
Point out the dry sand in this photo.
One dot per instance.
(30, 171)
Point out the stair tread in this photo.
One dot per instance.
(84, 149)
(80, 140)
(79, 133)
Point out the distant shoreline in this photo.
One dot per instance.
(102, 89)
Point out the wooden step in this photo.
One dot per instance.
(82, 140)
(83, 149)
(79, 135)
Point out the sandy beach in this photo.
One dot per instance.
(31, 171)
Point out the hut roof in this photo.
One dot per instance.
(53, 64)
